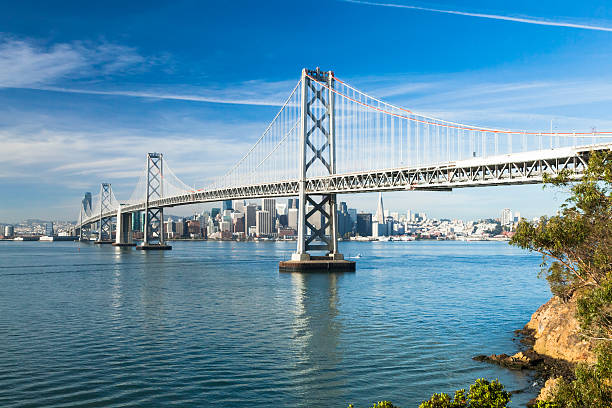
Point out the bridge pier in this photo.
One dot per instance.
(123, 234)
(154, 236)
(317, 214)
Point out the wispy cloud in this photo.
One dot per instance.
(517, 19)
(213, 97)
(26, 64)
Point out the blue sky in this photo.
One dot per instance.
(86, 89)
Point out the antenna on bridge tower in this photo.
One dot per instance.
(154, 215)
(317, 213)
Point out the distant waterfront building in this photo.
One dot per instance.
(364, 224)
(506, 217)
(269, 205)
(9, 231)
(238, 205)
(380, 211)
(49, 229)
(292, 218)
(345, 224)
(250, 216)
(263, 224)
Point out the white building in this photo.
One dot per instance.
(506, 217)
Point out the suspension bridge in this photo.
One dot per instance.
(330, 138)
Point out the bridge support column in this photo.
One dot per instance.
(105, 231)
(123, 235)
(154, 238)
(317, 216)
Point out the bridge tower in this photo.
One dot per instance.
(317, 216)
(154, 216)
(105, 230)
(84, 230)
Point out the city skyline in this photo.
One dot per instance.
(88, 93)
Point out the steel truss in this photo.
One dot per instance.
(154, 215)
(105, 232)
(512, 169)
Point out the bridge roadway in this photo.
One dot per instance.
(508, 169)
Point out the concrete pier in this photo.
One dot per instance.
(316, 264)
(103, 242)
(154, 247)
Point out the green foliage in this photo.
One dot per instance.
(379, 404)
(482, 394)
(577, 261)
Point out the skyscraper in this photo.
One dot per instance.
(227, 205)
(380, 211)
(364, 224)
(269, 205)
(250, 212)
(263, 223)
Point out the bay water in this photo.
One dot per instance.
(215, 323)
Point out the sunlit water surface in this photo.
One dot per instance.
(215, 322)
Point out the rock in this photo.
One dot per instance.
(550, 388)
(556, 332)
(519, 361)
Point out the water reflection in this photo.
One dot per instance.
(316, 337)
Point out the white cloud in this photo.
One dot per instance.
(25, 64)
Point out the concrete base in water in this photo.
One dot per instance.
(154, 247)
(317, 264)
(117, 244)
(103, 242)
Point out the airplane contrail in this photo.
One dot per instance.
(526, 20)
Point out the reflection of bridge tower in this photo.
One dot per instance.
(154, 216)
(317, 154)
(105, 232)
(316, 337)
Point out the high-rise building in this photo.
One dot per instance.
(263, 225)
(380, 212)
(364, 224)
(345, 224)
(292, 218)
(238, 206)
(214, 212)
(506, 217)
(9, 231)
(49, 229)
(269, 205)
(250, 216)
(227, 205)
(293, 203)
(281, 209)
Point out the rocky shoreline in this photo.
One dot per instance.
(552, 346)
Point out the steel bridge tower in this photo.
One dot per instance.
(317, 216)
(154, 216)
(105, 230)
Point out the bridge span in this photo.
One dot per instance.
(330, 138)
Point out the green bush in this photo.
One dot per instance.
(482, 394)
